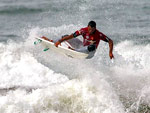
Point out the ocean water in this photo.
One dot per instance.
(33, 81)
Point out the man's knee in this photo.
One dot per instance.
(91, 48)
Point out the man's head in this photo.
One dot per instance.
(91, 27)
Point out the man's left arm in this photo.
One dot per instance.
(110, 48)
(110, 42)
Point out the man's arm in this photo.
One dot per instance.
(64, 39)
(110, 48)
(77, 33)
(110, 42)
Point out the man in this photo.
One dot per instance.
(91, 38)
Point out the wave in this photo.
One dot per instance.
(73, 96)
(94, 85)
(19, 68)
(19, 10)
(52, 92)
(137, 55)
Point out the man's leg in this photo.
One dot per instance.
(91, 48)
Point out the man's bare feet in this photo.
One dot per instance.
(71, 48)
(46, 38)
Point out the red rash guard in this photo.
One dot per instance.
(89, 39)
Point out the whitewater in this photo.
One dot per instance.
(34, 81)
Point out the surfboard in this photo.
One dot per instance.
(61, 49)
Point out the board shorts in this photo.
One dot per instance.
(87, 49)
(91, 49)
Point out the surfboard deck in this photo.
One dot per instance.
(61, 49)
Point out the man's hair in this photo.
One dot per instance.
(92, 24)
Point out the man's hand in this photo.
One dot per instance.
(57, 43)
(111, 55)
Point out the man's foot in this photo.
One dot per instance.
(71, 48)
(45, 38)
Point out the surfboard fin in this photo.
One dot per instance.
(37, 42)
(46, 49)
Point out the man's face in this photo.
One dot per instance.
(91, 29)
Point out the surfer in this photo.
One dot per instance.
(91, 38)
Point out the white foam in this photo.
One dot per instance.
(134, 54)
(20, 68)
(130, 73)
(74, 96)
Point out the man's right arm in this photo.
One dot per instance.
(64, 39)
(77, 33)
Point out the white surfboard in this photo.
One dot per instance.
(62, 49)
